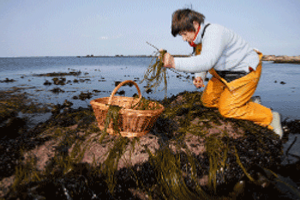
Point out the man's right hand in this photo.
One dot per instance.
(198, 82)
(168, 60)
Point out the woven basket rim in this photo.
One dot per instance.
(106, 106)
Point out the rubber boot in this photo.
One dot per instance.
(276, 124)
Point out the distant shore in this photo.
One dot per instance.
(282, 59)
(271, 58)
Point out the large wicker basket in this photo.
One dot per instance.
(132, 122)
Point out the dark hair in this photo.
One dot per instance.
(182, 20)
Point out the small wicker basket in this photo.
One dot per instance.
(132, 122)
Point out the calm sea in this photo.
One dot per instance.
(279, 86)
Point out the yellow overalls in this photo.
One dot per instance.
(233, 98)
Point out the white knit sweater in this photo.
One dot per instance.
(222, 49)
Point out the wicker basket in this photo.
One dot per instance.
(132, 122)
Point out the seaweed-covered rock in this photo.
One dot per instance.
(191, 151)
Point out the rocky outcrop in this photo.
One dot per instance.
(190, 146)
(282, 59)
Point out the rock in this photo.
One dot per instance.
(13, 127)
(121, 92)
(7, 80)
(57, 90)
(59, 81)
(282, 59)
(73, 73)
(56, 109)
(85, 95)
(211, 126)
(186, 137)
(47, 83)
(149, 90)
(67, 103)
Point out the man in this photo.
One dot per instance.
(234, 65)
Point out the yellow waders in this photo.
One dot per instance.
(233, 98)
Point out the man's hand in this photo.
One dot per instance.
(198, 82)
(168, 60)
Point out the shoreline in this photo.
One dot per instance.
(271, 58)
(282, 59)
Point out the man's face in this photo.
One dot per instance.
(189, 36)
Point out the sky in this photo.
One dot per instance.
(122, 27)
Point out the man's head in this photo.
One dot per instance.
(184, 20)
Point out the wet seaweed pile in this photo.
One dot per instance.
(197, 154)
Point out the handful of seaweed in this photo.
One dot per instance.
(156, 72)
(145, 104)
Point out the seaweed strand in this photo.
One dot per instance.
(156, 73)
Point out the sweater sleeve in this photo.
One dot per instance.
(213, 45)
(201, 74)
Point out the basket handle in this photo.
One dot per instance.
(120, 85)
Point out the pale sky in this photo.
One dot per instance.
(111, 27)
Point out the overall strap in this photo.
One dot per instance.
(204, 30)
(197, 50)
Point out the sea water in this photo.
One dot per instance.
(279, 86)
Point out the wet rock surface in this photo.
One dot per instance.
(69, 157)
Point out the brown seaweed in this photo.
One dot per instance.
(156, 73)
